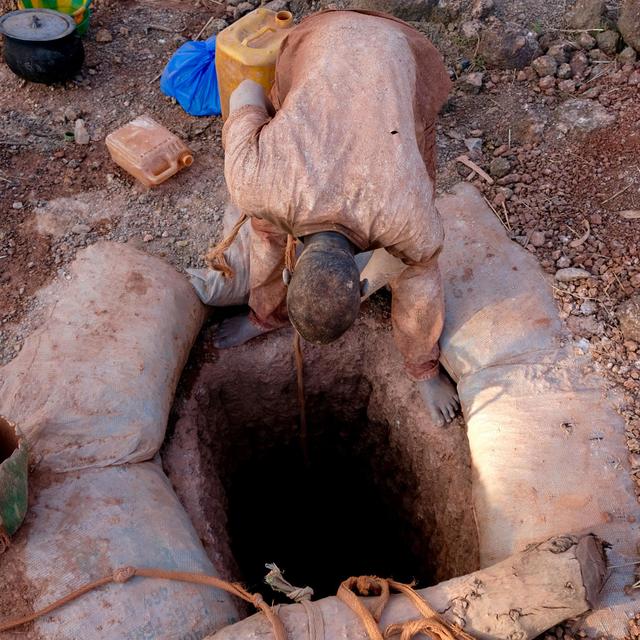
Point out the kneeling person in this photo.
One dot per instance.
(343, 159)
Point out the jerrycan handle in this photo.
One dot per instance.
(174, 164)
(256, 35)
(282, 20)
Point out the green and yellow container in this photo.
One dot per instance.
(14, 460)
(78, 9)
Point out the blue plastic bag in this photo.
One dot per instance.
(190, 77)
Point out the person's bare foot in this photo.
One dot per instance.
(441, 398)
(236, 331)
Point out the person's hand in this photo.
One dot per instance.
(247, 93)
(440, 397)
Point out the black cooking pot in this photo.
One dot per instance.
(41, 45)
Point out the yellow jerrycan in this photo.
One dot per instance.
(247, 50)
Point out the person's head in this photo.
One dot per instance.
(323, 296)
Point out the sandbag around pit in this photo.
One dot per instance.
(94, 384)
(547, 445)
(92, 389)
(83, 525)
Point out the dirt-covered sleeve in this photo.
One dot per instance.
(417, 312)
(244, 158)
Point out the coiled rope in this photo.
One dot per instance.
(430, 621)
(215, 257)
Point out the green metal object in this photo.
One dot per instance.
(14, 468)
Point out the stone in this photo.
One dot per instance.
(17, 205)
(482, 8)
(545, 65)
(571, 273)
(608, 41)
(472, 82)
(501, 150)
(564, 71)
(586, 41)
(529, 129)
(585, 14)
(277, 5)
(584, 325)
(507, 47)
(579, 63)
(627, 55)
(80, 133)
(499, 167)
(412, 10)
(80, 229)
(583, 115)
(567, 86)
(597, 55)
(537, 239)
(474, 145)
(563, 262)
(546, 83)
(470, 29)
(546, 40)
(629, 22)
(628, 314)
(103, 36)
(560, 52)
(591, 93)
(634, 78)
(595, 218)
(71, 113)
(510, 178)
(588, 308)
(216, 26)
(242, 9)
(147, 237)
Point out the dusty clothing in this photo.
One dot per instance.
(350, 149)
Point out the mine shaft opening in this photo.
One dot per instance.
(383, 491)
(344, 510)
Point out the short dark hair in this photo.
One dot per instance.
(323, 298)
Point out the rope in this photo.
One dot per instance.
(315, 621)
(215, 257)
(290, 253)
(216, 260)
(290, 264)
(123, 574)
(277, 582)
(430, 622)
(297, 352)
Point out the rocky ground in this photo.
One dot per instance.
(545, 106)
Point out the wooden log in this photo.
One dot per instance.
(516, 599)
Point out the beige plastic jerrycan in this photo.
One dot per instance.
(148, 151)
(247, 50)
